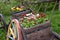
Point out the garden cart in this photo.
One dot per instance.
(39, 31)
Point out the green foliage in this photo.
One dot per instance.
(5, 7)
(31, 23)
(55, 20)
(2, 34)
(40, 7)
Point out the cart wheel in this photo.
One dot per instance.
(14, 31)
(2, 21)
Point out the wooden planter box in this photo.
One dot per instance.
(39, 32)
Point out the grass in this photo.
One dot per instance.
(55, 21)
(2, 34)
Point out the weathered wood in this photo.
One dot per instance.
(57, 35)
(59, 5)
(37, 27)
(40, 1)
(44, 0)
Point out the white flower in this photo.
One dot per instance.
(28, 14)
(37, 15)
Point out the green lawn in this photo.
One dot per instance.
(55, 20)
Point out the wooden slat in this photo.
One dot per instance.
(40, 1)
(59, 5)
(12, 33)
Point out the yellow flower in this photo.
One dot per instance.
(19, 9)
(13, 9)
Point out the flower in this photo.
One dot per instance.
(38, 16)
(28, 14)
(13, 9)
(22, 19)
(21, 6)
(42, 15)
(17, 8)
(32, 19)
(33, 12)
(28, 19)
(23, 14)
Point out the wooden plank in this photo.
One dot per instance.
(40, 1)
(59, 5)
(44, 0)
(55, 34)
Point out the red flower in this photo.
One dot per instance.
(23, 15)
(33, 12)
(42, 15)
